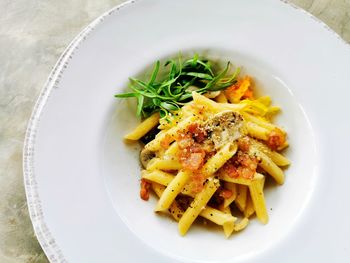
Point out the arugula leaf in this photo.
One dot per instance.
(126, 95)
(154, 73)
(171, 93)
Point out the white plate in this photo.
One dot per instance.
(82, 181)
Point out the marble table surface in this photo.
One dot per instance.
(33, 34)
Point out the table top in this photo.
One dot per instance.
(33, 34)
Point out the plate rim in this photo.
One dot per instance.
(41, 230)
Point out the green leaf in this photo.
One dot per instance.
(140, 100)
(163, 113)
(185, 96)
(154, 73)
(126, 95)
(195, 59)
(157, 102)
(199, 75)
(173, 69)
(211, 84)
(233, 77)
(169, 106)
(142, 84)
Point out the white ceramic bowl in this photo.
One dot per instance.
(82, 180)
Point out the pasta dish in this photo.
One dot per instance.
(207, 146)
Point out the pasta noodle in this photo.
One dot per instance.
(241, 199)
(143, 128)
(196, 206)
(233, 188)
(257, 195)
(228, 226)
(172, 190)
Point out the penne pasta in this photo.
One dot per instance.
(257, 195)
(241, 224)
(143, 128)
(171, 133)
(228, 226)
(158, 176)
(216, 216)
(196, 206)
(269, 166)
(233, 188)
(249, 209)
(257, 131)
(262, 123)
(172, 190)
(276, 157)
(164, 179)
(239, 180)
(214, 106)
(174, 209)
(172, 150)
(219, 159)
(161, 164)
(279, 159)
(241, 199)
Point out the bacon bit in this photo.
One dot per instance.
(197, 182)
(144, 191)
(191, 154)
(165, 143)
(246, 172)
(276, 139)
(191, 160)
(243, 144)
(184, 140)
(241, 165)
(198, 133)
(231, 170)
(193, 127)
(225, 193)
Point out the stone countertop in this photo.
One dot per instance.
(33, 34)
